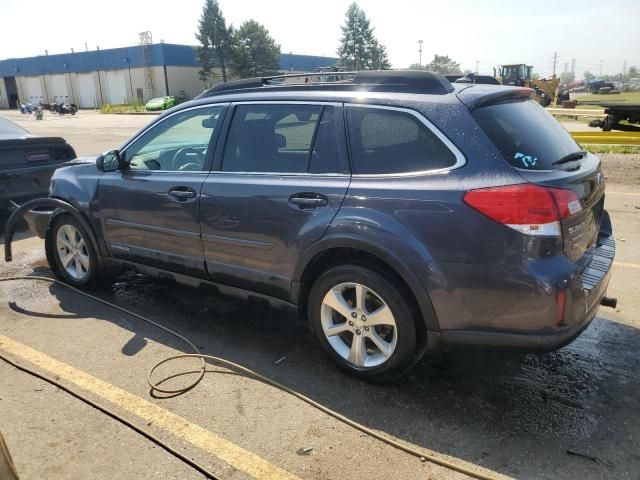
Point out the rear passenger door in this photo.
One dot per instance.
(280, 179)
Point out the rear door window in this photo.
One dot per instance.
(284, 138)
(385, 141)
(271, 138)
(527, 136)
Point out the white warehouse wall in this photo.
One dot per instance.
(4, 97)
(93, 89)
(184, 78)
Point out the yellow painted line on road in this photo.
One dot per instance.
(226, 451)
(626, 264)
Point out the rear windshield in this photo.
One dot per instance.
(528, 137)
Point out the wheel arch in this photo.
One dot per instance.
(58, 207)
(336, 250)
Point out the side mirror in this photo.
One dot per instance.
(210, 122)
(108, 161)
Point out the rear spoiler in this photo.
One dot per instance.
(476, 96)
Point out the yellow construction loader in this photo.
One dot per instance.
(520, 75)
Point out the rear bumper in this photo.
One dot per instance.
(526, 319)
(534, 341)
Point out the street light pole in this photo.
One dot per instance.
(477, 63)
(420, 42)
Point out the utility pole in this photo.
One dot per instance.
(601, 68)
(573, 67)
(420, 42)
(477, 63)
(555, 61)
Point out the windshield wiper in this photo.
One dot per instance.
(571, 157)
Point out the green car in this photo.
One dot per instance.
(160, 103)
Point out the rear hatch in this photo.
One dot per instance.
(543, 153)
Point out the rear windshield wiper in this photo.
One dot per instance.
(571, 157)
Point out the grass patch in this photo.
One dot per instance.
(136, 106)
(624, 97)
(612, 148)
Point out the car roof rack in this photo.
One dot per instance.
(399, 81)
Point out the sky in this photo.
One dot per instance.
(490, 32)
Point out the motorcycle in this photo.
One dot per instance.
(26, 108)
(65, 108)
(37, 112)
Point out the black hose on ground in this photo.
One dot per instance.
(424, 456)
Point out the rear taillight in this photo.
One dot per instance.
(528, 208)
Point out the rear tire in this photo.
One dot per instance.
(71, 254)
(363, 323)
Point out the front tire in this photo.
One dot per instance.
(72, 256)
(363, 323)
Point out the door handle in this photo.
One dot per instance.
(182, 193)
(309, 200)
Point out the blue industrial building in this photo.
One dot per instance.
(118, 75)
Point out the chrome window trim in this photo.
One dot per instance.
(460, 158)
(286, 102)
(124, 148)
(282, 174)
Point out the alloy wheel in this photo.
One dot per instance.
(73, 252)
(358, 324)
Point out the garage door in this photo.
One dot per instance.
(32, 90)
(59, 91)
(86, 90)
(116, 90)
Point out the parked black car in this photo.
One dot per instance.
(27, 163)
(398, 211)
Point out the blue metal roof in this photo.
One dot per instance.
(115, 58)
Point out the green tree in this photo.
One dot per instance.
(379, 58)
(588, 76)
(444, 65)
(633, 72)
(417, 66)
(359, 49)
(255, 53)
(215, 41)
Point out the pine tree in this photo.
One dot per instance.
(255, 53)
(215, 40)
(359, 49)
(379, 58)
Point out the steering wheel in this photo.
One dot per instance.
(187, 157)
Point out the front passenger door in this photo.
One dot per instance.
(150, 212)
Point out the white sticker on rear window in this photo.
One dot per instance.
(527, 161)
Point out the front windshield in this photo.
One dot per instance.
(157, 100)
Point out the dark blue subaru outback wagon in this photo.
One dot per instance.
(399, 211)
